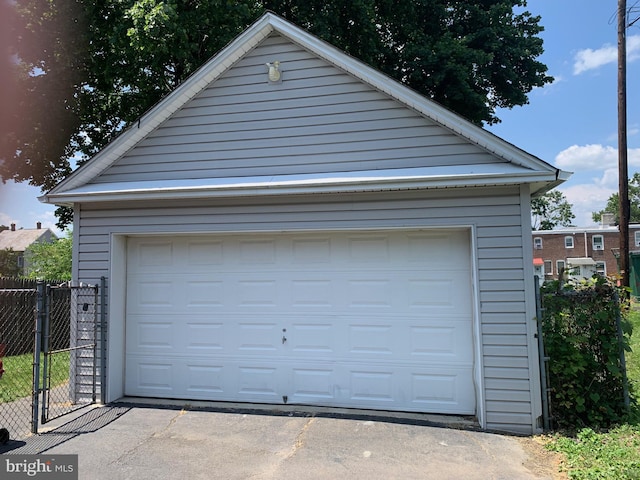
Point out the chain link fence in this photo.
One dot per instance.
(17, 321)
(60, 323)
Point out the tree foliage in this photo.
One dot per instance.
(9, 263)
(471, 56)
(40, 85)
(551, 210)
(613, 203)
(581, 338)
(50, 259)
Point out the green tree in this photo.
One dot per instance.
(50, 260)
(9, 263)
(472, 56)
(550, 210)
(39, 88)
(613, 203)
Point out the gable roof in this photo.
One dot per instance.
(518, 166)
(20, 240)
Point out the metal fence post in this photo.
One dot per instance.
(103, 340)
(46, 347)
(95, 342)
(623, 362)
(40, 308)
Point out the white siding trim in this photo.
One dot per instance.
(75, 260)
(478, 374)
(116, 309)
(530, 305)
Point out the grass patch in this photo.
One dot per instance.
(594, 456)
(16, 382)
(615, 453)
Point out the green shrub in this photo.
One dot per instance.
(586, 378)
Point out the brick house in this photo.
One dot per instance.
(583, 250)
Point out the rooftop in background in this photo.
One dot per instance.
(592, 229)
(20, 239)
(607, 225)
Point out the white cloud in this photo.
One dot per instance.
(592, 194)
(594, 157)
(589, 59)
(587, 157)
(585, 199)
(609, 179)
(6, 220)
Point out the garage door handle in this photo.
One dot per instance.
(284, 339)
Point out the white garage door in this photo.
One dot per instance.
(376, 319)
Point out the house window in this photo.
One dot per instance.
(20, 261)
(560, 266)
(598, 242)
(548, 267)
(568, 241)
(537, 243)
(637, 238)
(601, 268)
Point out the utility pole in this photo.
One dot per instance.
(623, 170)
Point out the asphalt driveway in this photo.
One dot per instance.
(134, 441)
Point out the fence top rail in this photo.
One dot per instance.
(12, 282)
(17, 290)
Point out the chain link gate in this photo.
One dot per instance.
(48, 348)
(65, 374)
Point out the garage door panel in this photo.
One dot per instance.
(354, 319)
(205, 337)
(258, 337)
(203, 379)
(436, 249)
(312, 338)
(202, 253)
(152, 335)
(145, 294)
(153, 253)
(447, 390)
(445, 343)
(204, 294)
(440, 292)
(150, 375)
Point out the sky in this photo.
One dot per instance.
(570, 123)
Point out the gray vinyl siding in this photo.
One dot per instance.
(318, 120)
(495, 214)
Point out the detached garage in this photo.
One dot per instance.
(323, 236)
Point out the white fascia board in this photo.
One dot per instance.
(220, 188)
